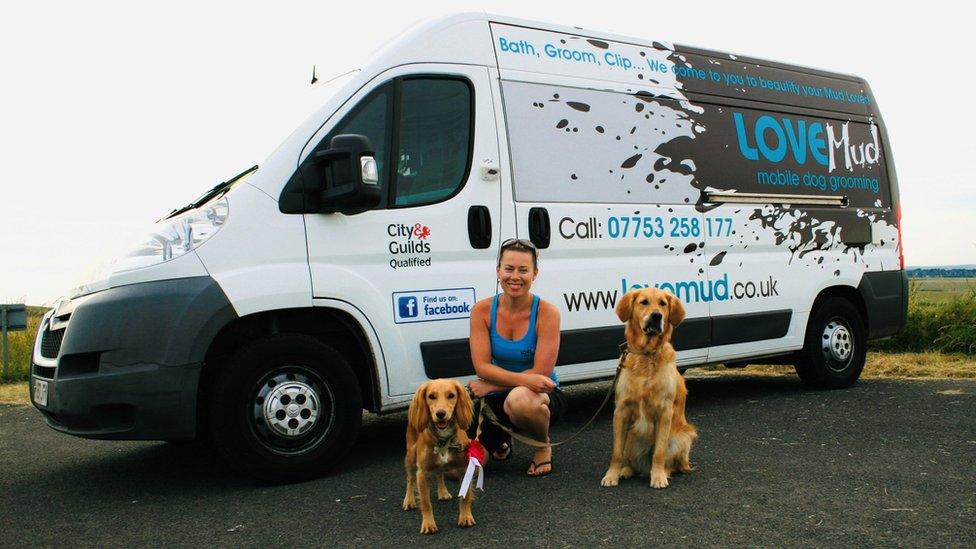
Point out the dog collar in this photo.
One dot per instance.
(446, 443)
(626, 350)
(645, 353)
(449, 445)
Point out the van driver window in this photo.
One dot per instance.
(434, 140)
(369, 118)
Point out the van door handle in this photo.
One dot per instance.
(479, 227)
(539, 227)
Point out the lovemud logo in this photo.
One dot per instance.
(689, 291)
(772, 138)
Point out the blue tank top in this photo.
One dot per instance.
(515, 356)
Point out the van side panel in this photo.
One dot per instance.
(595, 125)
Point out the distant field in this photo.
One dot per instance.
(942, 290)
(941, 317)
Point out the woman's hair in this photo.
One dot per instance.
(519, 245)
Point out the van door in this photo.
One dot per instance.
(415, 264)
(608, 211)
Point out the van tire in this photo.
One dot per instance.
(285, 408)
(835, 346)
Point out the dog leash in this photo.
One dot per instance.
(485, 411)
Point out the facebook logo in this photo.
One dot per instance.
(408, 306)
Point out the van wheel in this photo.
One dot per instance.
(835, 347)
(285, 408)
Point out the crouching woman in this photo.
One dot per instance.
(514, 343)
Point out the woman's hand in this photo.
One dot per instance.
(538, 383)
(480, 387)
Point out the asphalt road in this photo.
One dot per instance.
(889, 463)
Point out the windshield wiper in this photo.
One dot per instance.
(219, 188)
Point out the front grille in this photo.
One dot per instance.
(51, 343)
(44, 372)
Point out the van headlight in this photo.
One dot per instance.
(174, 237)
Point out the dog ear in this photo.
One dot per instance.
(676, 311)
(625, 304)
(464, 409)
(419, 415)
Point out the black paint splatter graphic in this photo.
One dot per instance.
(717, 260)
(797, 229)
(632, 161)
(693, 154)
(647, 96)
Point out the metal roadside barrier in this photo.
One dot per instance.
(13, 317)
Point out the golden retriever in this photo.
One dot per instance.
(440, 413)
(650, 393)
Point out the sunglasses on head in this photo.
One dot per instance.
(518, 242)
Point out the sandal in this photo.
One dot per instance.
(506, 448)
(533, 466)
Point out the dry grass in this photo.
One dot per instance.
(885, 366)
(14, 393)
(920, 365)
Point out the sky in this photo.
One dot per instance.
(114, 113)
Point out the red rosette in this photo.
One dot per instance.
(476, 451)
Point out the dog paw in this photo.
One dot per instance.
(444, 496)
(409, 503)
(610, 479)
(659, 480)
(428, 527)
(466, 521)
(626, 472)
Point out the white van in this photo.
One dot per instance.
(340, 274)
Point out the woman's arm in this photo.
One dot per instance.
(547, 342)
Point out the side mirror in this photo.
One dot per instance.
(348, 175)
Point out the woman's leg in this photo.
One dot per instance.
(497, 442)
(529, 411)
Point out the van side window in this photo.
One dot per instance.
(434, 140)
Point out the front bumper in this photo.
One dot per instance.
(125, 363)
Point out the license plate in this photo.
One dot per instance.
(40, 391)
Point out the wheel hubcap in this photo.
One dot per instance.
(291, 409)
(838, 345)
